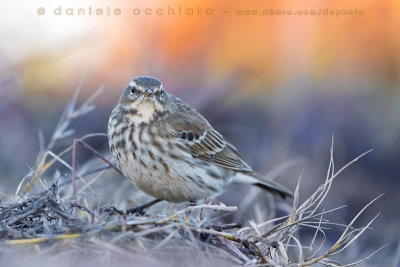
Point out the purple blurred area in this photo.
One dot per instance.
(278, 89)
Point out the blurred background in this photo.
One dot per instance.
(277, 86)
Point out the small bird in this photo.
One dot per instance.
(170, 151)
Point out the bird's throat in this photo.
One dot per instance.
(146, 111)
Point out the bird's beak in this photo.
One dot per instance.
(148, 93)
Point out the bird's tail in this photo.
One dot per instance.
(258, 180)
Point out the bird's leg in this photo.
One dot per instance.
(187, 213)
(140, 210)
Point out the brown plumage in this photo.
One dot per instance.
(170, 151)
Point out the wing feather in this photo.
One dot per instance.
(209, 145)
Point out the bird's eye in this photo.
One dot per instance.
(133, 90)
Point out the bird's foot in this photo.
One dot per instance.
(138, 211)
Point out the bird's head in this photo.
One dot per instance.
(145, 94)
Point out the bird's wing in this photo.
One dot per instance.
(202, 139)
